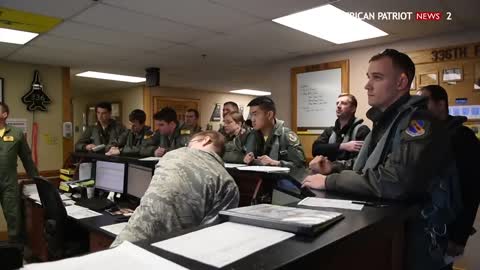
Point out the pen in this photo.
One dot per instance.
(372, 204)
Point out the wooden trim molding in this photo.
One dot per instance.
(67, 115)
(147, 105)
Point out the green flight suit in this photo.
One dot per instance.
(282, 145)
(13, 144)
(131, 143)
(179, 138)
(97, 135)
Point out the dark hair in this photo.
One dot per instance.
(233, 104)
(166, 114)
(400, 61)
(353, 99)
(4, 108)
(138, 115)
(437, 93)
(104, 105)
(197, 114)
(265, 103)
(218, 140)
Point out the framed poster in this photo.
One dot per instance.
(1, 90)
(452, 74)
(476, 84)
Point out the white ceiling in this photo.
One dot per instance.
(237, 37)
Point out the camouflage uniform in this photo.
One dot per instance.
(188, 189)
(13, 143)
(282, 145)
(131, 143)
(97, 135)
(179, 138)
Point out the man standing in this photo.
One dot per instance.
(131, 142)
(12, 144)
(105, 132)
(464, 143)
(402, 157)
(343, 141)
(191, 121)
(189, 188)
(274, 144)
(169, 134)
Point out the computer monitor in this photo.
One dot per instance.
(110, 176)
(139, 178)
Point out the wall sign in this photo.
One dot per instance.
(36, 99)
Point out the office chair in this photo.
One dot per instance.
(11, 255)
(63, 240)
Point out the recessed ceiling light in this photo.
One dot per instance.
(330, 23)
(251, 92)
(16, 36)
(110, 76)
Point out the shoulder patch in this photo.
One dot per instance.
(415, 128)
(185, 132)
(292, 137)
(8, 138)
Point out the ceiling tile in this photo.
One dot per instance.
(99, 35)
(7, 48)
(55, 8)
(201, 13)
(134, 22)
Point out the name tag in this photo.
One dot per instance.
(8, 138)
(185, 132)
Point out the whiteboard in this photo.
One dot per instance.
(317, 94)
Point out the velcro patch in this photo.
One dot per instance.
(416, 128)
(8, 138)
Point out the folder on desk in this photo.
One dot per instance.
(290, 219)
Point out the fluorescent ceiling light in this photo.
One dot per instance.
(110, 76)
(15, 36)
(330, 23)
(251, 92)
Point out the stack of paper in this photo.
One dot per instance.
(150, 159)
(267, 169)
(227, 243)
(234, 165)
(126, 256)
(330, 203)
(79, 212)
(115, 228)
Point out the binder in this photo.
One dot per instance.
(290, 219)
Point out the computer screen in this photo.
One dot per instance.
(139, 178)
(110, 176)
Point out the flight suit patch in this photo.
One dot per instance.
(8, 138)
(416, 128)
(146, 137)
(185, 132)
(292, 137)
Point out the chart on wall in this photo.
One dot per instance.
(317, 93)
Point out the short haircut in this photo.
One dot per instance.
(233, 104)
(400, 61)
(104, 105)
(437, 93)
(5, 108)
(197, 114)
(218, 140)
(137, 115)
(166, 114)
(353, 99)
(265, 103)
(236, 117)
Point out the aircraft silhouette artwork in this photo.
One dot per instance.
(36, 99)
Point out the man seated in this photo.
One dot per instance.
(274, 144)
(228, 107)
(343, 141)
(105, 132)
(191, 121)
(130, 142)
(403, 157)
(169, 134)
(189, 188)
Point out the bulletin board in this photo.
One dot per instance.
(455, 68)
(314, 92)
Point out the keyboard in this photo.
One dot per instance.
(96, 204)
